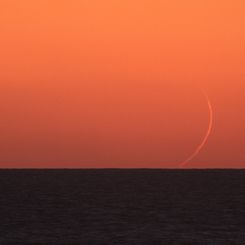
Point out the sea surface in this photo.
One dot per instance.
(110, 206)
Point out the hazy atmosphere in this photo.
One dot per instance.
(119, 83)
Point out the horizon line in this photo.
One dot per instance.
(80, 168)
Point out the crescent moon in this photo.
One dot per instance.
(208, 132)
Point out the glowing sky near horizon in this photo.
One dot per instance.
(118, 83)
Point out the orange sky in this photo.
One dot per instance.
(91, 83)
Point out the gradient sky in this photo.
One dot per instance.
(91, 83)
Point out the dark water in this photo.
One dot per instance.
(122, 207)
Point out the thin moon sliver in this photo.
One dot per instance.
(208, 132)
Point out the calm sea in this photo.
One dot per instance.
(122, 207)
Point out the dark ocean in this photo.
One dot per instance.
(122, 207)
